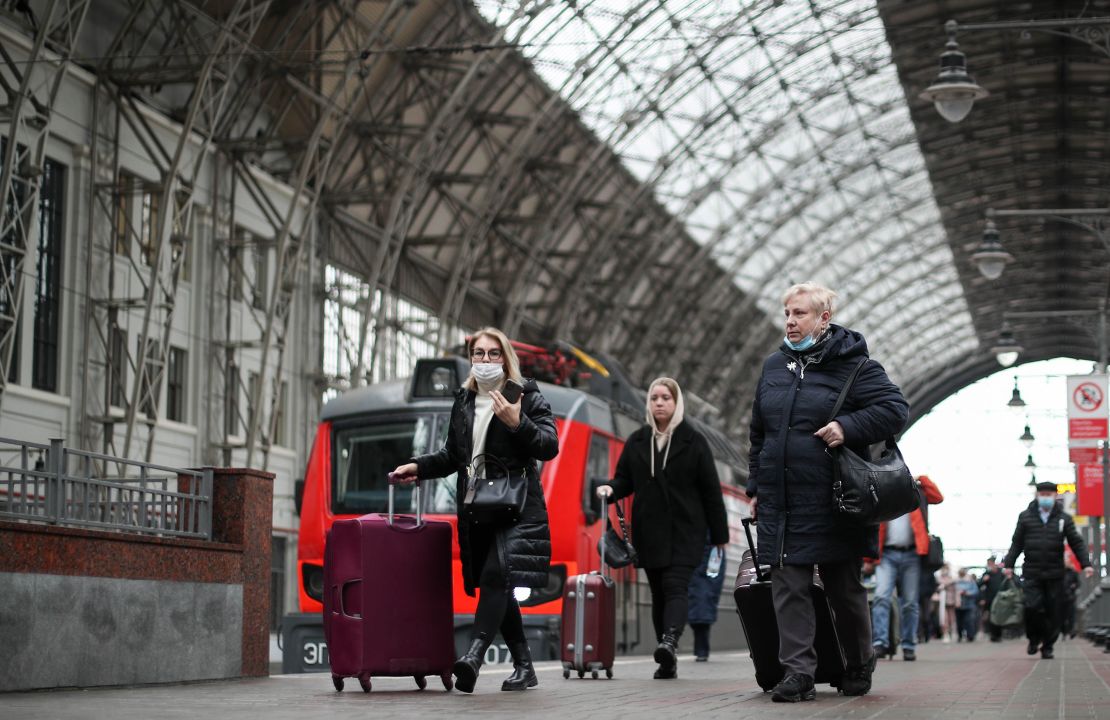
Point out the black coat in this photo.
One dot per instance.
(990, 584)
(672, 511)
(524, 548)
(790, 470)
(1043, 543)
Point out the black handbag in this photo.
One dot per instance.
(614, 548)
(495, 499)
(873, 489)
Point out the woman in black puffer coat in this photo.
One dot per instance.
(497, 559)
(791, 483)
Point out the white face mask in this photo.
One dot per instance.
(487, 375)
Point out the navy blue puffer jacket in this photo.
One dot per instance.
(791, 472)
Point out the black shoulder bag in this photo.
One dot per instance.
(874, 489)
(614, 547)
(492, 498)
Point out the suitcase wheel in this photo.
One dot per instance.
(337, 682)
(364, 681)
(594, 674)
(448, 682)
(566, 673)
(609, 673)
(581, 674)
(421, 681)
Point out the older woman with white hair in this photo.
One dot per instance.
(791, 483)
(669, 467)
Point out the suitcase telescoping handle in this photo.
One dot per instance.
(393, 483)
(604, 532)
(747, 523)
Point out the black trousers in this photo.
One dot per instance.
(669, 599)
(1043, 606)
(497, 607)
(798, 623)
(701, 639)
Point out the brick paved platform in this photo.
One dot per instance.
(954, 681)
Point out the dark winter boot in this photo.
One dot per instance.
(666, 657)
(466, 667)
(524, 675)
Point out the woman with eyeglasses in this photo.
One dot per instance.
(669, 469)
(495, 560)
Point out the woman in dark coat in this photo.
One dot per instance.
(669, 467)
(495, 560)
(791, 483)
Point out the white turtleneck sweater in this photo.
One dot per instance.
(483, 414)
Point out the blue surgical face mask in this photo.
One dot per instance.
(1045, 502)
(805, 343)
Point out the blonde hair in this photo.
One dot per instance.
(668, 383)
(508, 355)
(820, 297)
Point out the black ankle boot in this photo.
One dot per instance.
(524, 675)
(466, 667)
(665, 654)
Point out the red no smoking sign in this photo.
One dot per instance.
(1087, 397)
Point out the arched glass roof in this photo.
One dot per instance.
(779, 133)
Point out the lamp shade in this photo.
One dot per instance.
(954, 92)
(1027, 437)
(990, 257)
(1016, 403)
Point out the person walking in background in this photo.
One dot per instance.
(790, 483)
(927, 595)
(1042, 529)
(967, 598)
(669, 467)
(704, 597)
(903, 542)
(947, 585)
(989, 585)
(497, 559)
(1071, 591)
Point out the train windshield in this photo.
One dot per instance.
(365, 453)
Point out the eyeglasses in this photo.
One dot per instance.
(482, 354)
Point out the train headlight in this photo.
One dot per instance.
(312, 577)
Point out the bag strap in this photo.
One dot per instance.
(847, 386)
(620, 517)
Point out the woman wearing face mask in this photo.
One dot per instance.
(496, 560)
(669, 467)
(790, 480)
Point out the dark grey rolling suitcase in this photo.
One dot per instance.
(757, 616)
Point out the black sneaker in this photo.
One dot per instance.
(1046, 653)
(857, 679)
(1032, 647)
(908, 655)
(794, 688)
(881, 651)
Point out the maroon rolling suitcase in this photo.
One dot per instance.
(588, 637)
(387, 598)
(761, 628)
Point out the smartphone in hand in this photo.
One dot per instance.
(512, 391)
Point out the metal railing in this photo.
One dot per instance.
(58, 485)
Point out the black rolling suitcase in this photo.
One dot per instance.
(757, 616)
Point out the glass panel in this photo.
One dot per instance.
(366, 452)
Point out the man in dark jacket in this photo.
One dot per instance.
(791, 481)
(989, 585)
(1041, 531)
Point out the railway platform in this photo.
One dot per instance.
(979, 680)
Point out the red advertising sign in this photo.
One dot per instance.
(1080, 455)
(1088, 428)
(1089, 490)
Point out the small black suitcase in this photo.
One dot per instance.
(757, 616)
